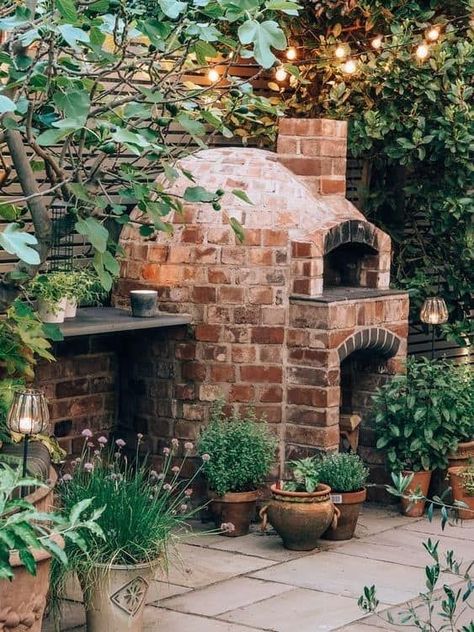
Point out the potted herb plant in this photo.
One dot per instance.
(143, 509)
(301, 509)
(462, 485)
(461, 381)
(347, 476)
(29, 539)
(416, 423)
(51, 292)
(241, 451)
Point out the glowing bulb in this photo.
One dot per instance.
(340, 52)
(433, 34)
(422, 52)
(281, 74)
(349, 67)
(377, 42)
(291, 53)
(213, 75)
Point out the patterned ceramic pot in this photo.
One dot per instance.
(115, 597)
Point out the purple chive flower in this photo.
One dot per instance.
(102, 440)
(206, 457)
(166, 451)
(120, 443)
(160, 476)
(188, 493)
(86, 433)
(66, 478)
(183, 508)
(188, 446)
(90, 444)
(96, 452)
(167, 487)
(175, 469)
(227, 527)
(88, 467)
(174, 443)
(153, 474)
(139, 436)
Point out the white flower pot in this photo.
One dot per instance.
(115, 598)
(71, 308)
(50, 314)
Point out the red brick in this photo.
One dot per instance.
(234, 256)
(307, 396)
(204, 294)
(232, 295)
(260, 256)
(185, 351)
(287, 144)
(333, 186)
(312, 435)
(275, 237)
(219, 315)
(251, 314)
(179, 254)
(243, 354)
(274, 315)
(266, 374)
(219, 353)
(253, 237)
(206, 254)
(267, 335)
(220, 236)
(70, 388)
(194, 371)
(219, 276)
(271, 394)
(209, 333)
(270, 414)
(222, 373)
(300, 126)
(157, 254)
(272, 354)
(301, 165)
(242, 393)
(184, 391)
(192, 235)
(261, 295)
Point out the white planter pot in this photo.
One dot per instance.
(115, 600)
(52, 315)
(71, 308)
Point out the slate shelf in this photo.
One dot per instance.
(341, 294)
(107, 320)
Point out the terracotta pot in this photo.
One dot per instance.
(421, 481)
(349, 504)
(300, 518)
(464, 452)
(23, 600)
(43, 497)
(237, 508)
(459, 493)
(115, 597)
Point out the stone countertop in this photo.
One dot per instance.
(107, 320)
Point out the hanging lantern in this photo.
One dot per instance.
(434, 311)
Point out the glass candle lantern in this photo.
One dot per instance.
(29, 414)
(434, 311)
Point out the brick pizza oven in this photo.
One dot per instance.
(298, 320)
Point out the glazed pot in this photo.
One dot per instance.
(144, 303)
(49, 314)
(23, 600)
(71, 308)
(237, 508)
(460, 494)
(349, 505)
(115, 596)
(421, 481)
(464, 452)
(300, 518)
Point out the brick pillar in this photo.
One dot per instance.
(315, 150)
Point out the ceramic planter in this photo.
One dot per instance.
(464, 452)
(71, 308)
(459, 493)
(300, 518)
(349, 505)
(23, 600)
(237, 508)
(421, 481)
(144, 303)
(52, 315)
(115, 597)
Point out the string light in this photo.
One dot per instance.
(213, 75)
(377, 42)
(422, 52)
(349, 67)
(340, 52)
(433, 34)
(281, 74)
(291, 53)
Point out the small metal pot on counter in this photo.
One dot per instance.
(144, 303)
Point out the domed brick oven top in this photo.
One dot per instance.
(276, 315)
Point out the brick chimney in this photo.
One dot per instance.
(315, 150)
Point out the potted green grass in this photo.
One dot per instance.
(241, 451)
(347, 476)
(143, 509)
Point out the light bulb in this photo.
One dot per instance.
(432, 34)
(281, 74)
(422, 52)
(349, 67)
(340, 52)
(377, 42)
(291, 53)
(213, 75)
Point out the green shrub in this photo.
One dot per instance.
(241, 451)
(305, 475)
(343, 472)
(420, 417)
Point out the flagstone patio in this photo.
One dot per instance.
(250, 584)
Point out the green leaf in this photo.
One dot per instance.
(52, 332)
(74, 104)
(190, 125)
(242, 195)
(73, 35)
(67, 9)
(78, 510)
(264, 36)
(6, 104)
(204, 51)
(198, 194)
(172, 8)
(53, 136)
(237, 228)
(96, 233)
(18, 242)
(9, 212)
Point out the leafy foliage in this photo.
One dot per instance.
(305, 474)
(412, 124)
(343, 472)
(23, 528)
(421, 416)
(241, 451)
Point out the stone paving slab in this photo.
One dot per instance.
(225, 596)
(161, 620)
(345, 575)
(462, 530)
(267, 546)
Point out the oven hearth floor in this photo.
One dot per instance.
(252, 584)
(337, 294)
